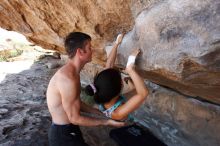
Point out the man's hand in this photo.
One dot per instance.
(114, 123)
(119, 38)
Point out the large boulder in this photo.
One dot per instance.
(180, 44)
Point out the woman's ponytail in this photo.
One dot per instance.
(90, 89)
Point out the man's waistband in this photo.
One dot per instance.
(63, 125)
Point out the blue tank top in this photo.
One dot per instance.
(108, 112)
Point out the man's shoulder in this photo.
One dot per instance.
(65, 76)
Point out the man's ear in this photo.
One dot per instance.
(79, 52)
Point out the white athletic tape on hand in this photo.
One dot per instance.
(131, 60)
(117, 40)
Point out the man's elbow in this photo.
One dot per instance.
(75, 120)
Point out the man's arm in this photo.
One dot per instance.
(112, 56)
(71, 103)
(88, 109)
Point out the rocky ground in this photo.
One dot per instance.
(24, 117)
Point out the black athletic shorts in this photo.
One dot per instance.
(65, 135)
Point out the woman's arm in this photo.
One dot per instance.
(112, 56)
(135, 101)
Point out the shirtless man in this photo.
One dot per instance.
(63, 96)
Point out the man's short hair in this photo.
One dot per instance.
(75, 40)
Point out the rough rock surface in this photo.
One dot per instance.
(180, 44)
(22, 95)
(47, 22)
(180, 120)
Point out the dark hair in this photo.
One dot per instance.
(108, 84)
(75, 40)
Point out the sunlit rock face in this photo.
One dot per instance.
(48, 22)
(180, 45)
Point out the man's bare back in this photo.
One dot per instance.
(54, 99)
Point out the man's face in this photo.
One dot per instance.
(88, 52)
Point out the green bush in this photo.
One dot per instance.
(5, 55)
